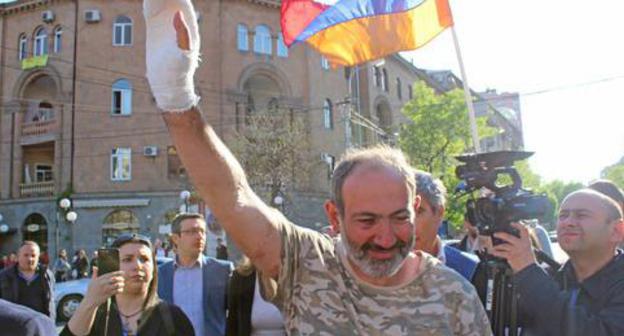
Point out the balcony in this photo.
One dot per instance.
(39, 131)
(37, 189)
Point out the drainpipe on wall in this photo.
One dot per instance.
(73, 106)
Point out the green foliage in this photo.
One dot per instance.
(615, 173)
(439, 130)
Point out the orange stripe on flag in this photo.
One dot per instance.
(365, 39)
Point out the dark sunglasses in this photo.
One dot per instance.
(131, 238)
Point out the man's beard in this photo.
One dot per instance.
(376, 268)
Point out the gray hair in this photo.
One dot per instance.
(431, 189)
(376, 156)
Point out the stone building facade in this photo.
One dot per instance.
(77, 118)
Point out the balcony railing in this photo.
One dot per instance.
(37, 189)
(39, 128)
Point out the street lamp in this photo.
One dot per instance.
(279, 202)
(71, 216)
(3, 227)
(184, 196)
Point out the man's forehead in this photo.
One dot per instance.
(581, 201)
(192, 222)
(28, 248)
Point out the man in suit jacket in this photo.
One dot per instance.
(16, 319)
(194, 282)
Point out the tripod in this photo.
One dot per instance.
(501, 300)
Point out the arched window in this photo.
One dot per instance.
(122, 98)
(117, 223)
(384, 80)
(22, 48)
(282, 49)
(58, 34)
(40, 46)
(377, 74)
(399, 93)
(262, 40)
(328, 114)
(242, 37)
(122, 31)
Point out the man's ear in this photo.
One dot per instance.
(333, 215)
(175, 238)
(417, 200)
(618, 231)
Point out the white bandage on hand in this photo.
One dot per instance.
(170, 70)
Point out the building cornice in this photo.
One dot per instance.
(26, 6)
(268, 3)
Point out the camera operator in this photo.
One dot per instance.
(586, 296)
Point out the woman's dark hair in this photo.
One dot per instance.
(152, 292)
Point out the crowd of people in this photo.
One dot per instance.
(383, 271)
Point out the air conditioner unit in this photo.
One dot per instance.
(47, 16)
(150, 151)
(92, 16)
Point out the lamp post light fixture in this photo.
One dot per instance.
(184, 196)
(3, 227)
(64, 205)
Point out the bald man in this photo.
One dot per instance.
(27, 283)
(586, 297)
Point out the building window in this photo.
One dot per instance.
(262, 40)
(121, 165)
(58, 34)
(399, 93)
(377, 74)
(410, 92)
(122, 31)
(282, 49)
(330, 161)
(324, 63)
(384, 80)
(122, 98)
(243, 38)
(43, 173)
(22, 48)
(328, 114)
(45, 112)
(40, 46)
(119, 222)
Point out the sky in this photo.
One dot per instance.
(564, 58)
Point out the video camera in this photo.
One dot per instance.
(507, 201)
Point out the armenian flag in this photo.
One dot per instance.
(350, 32)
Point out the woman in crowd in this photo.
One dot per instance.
(248, 312)
(134, 307)
(61, 268)
(80, 265)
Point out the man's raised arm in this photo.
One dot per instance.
(172, 55)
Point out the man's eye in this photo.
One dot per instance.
(367, 221)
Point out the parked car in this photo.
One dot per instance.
(69, 294)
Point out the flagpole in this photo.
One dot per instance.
(467, 95)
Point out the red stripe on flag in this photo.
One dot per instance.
(445, 17)
(297, 15)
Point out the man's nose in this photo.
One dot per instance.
(385, 236)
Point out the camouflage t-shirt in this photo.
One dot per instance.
(318, 295)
